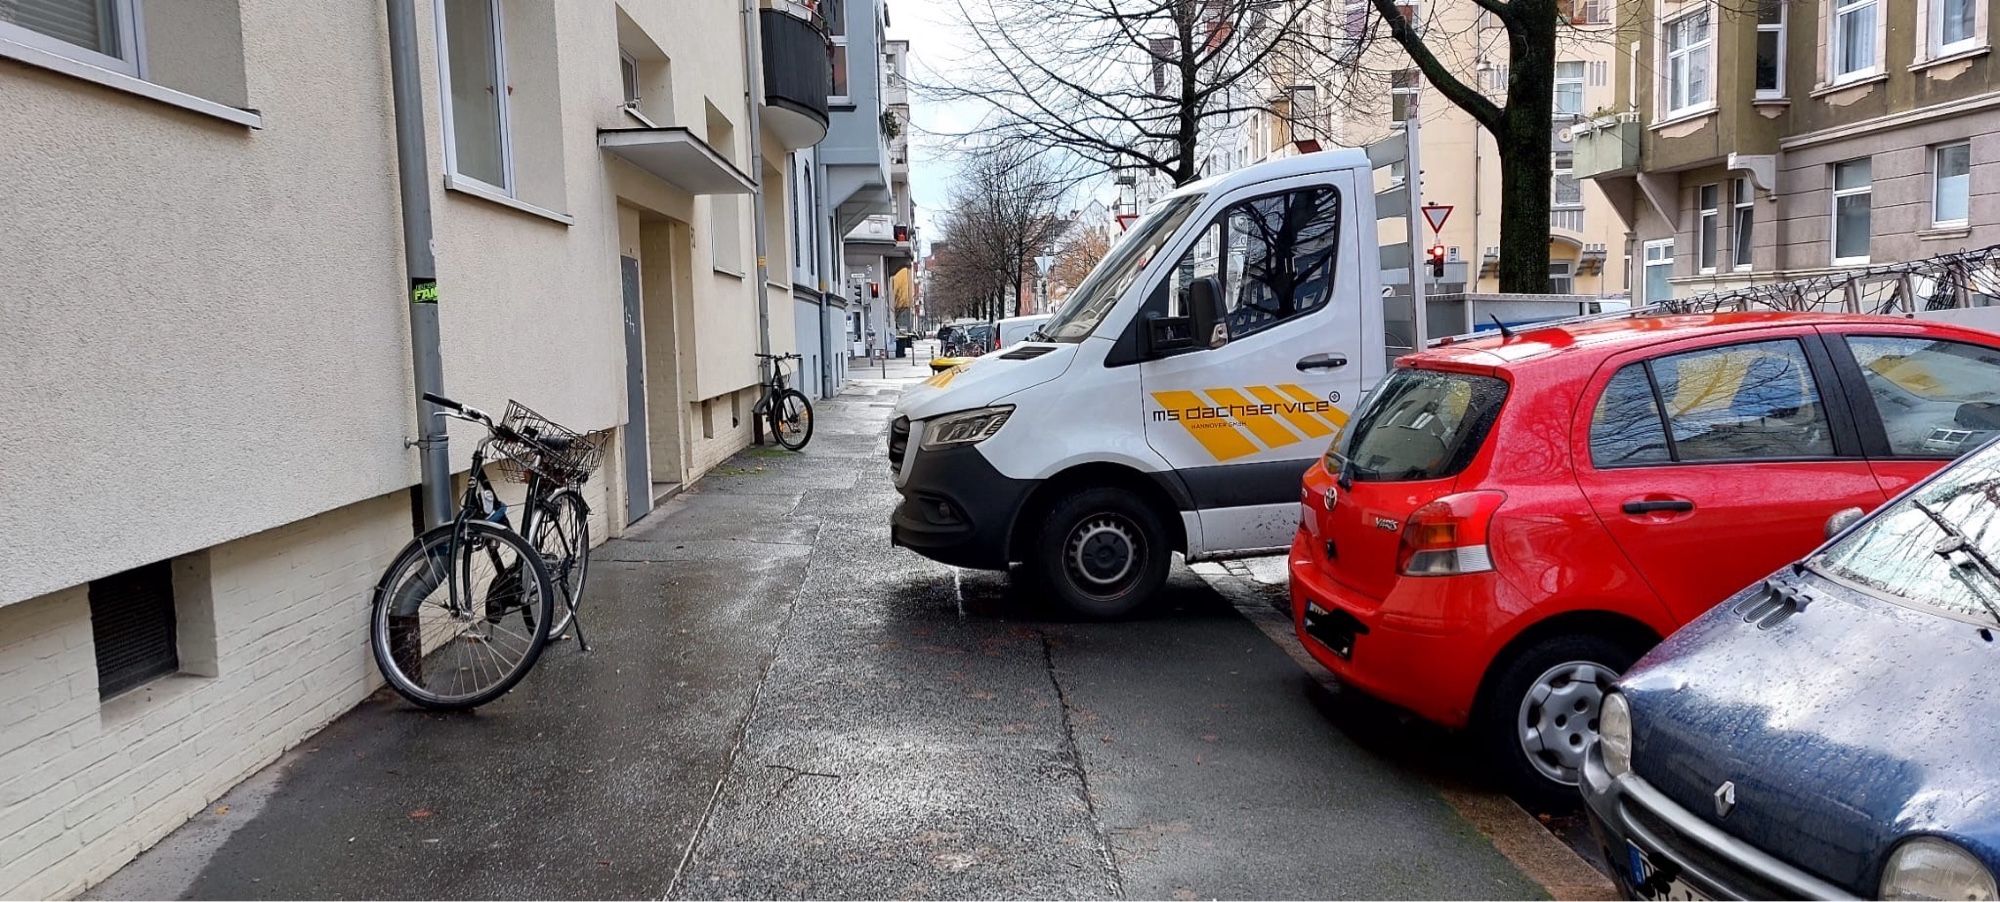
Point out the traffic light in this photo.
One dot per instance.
(1436, 255)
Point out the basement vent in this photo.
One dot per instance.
(132, 627)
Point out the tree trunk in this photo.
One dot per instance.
(1524, 212)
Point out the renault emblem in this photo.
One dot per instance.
(1725, 798)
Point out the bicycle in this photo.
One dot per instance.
(790, 414)
(460, 650)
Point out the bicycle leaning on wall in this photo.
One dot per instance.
(465, 610)
(789, 413)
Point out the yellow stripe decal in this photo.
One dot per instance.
(1333, 415)
(1251, 414)
(1301, 420)
(1217, 435)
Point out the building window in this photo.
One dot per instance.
(1855, 24)
(1951, 191)
(475, 95)
(1562, 278)
(1742, 227)
(1954, 26)
(836, 26)
(103, 33)
(1852, 188)
(1709, 221)
(1403, 86)
(1770, 49)
(1659, 271)
(1686, 71)
(1569, 88)
(132, 627)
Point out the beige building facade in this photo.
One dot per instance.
(1768, 142)
(206, 340)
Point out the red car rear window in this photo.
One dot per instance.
(1419, 424)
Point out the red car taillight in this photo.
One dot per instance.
(1448, 536)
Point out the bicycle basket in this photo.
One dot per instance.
(546, 447)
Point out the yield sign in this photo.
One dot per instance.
(1436, 214)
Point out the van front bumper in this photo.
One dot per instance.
(957, 509)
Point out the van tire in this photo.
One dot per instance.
(1102, 553)
(1504, 712)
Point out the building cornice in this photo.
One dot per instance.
(1893, 120)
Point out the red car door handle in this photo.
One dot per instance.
(1659, 506)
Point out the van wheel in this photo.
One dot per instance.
(1538, 715)
(1102, 552)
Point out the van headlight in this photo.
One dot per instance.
(1930, 868)
(965, 428)
(1614, 734)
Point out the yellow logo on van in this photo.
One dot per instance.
(1237, 422)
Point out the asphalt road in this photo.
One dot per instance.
(778, 704)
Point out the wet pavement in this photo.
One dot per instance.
(778, 704)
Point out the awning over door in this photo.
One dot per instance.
(676, 156)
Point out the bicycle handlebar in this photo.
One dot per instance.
(463, 411)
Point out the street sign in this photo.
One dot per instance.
(1436, 214)
(1043, 264)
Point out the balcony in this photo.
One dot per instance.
(798, 75)
(883, 232)
(1608, 147)
(1566, 219)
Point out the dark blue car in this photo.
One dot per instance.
(1833, 731)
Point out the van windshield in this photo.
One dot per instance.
(1418, 425)
(1101, 289)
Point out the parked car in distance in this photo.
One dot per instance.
(974, 340)
(1827, 732)
(1016, 329)
(1508, 523)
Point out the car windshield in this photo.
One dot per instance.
(1897, 551)
(1419, 424)
(1100, 290)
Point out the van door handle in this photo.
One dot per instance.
(1659, 506)
(1322, 362)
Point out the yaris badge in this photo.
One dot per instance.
(1725, 798)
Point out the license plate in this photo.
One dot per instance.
(1648, 882)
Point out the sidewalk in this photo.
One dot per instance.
(779, 704)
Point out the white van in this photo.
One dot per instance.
(1182, 391)
(1015, 329)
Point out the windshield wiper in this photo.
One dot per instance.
(1036, 336)
(1957, 541)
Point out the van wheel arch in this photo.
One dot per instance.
(1021, 536)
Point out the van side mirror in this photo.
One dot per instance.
(1842, 519)
(1201, 327)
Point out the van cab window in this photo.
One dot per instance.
(1274, 255)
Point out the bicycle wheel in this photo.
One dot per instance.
(454, 656)
(562, 534)
(792, 419)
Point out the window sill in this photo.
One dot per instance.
(485, 193)
(1951, 57)
(1945, 232)
(1684, 116)
(732, 273)
(1850, 84)
(119, 81)
(135, 702)
(1850, 261)
(1780, 101)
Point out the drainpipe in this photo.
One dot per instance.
(413, 178)
(753, 91)
(823, 265)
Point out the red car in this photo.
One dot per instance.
(1508, 523)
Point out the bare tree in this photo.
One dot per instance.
(1001, 216)
(1519, 118)
(1122, 85)
(1079, 254)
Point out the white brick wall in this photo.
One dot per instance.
(705, 453)
(86, 785)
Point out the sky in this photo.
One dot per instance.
(939, 39)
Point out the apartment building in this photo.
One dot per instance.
(206, 340)
(878, 248)
(1361, 88)
(1761, 142)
